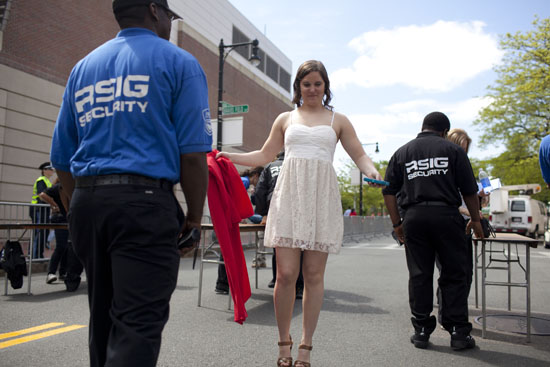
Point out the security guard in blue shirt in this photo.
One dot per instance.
(134, 121)
(428, 173)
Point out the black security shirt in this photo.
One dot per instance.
(430, 168)
(55, 194)
(266, 185)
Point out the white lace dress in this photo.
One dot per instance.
(305, 210)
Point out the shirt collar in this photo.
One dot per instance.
(129, 32)
(424, 134)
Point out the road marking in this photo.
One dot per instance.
(44, 334)
(30, 330)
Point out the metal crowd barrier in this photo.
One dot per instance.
(17, 224)
(358, 228)
(33, 227)
(19, 213)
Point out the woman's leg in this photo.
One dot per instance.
(313, 270)
(288, 267)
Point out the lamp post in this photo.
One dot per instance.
(254, 60)
(361, 180)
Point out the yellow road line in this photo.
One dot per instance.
(45, 334)
(30, 330)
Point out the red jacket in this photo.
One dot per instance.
(229, 204)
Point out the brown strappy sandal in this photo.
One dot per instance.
(299, 363)
(285, 361)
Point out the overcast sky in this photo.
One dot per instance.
(393, 62)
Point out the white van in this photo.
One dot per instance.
(524, 215)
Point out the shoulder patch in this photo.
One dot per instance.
(207, 121)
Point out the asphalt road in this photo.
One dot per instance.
(364, 320)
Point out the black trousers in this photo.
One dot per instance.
(59, 256)
(432, 231)
(470, 269)
(74, 269)
(125, 236)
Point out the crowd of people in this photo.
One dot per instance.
(124, 219)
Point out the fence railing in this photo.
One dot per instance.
(360, 228)
(356, 228)
(33, 240)
(25, 213)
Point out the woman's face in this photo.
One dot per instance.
(254, 179)
(312, 88)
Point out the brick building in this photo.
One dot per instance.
(40, 42)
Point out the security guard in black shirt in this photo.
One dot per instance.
(430, 173)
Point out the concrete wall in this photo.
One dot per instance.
(28, 110)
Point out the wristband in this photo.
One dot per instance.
(398, 223)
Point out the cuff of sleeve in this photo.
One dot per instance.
(62, 167)
(198, 148)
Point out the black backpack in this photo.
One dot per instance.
(14, 264)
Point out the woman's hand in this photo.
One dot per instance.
(223, 154)
(374, 174)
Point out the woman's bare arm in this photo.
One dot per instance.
(271, 147)
(355, 150)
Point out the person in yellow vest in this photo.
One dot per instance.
(40, 214)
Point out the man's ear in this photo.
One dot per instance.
(153, 10)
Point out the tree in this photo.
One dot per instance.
(512, 171)
(519, 113)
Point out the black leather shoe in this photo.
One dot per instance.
(271, 284)
(420, 339)
(222, 288)
(459, 341)
(72, 284)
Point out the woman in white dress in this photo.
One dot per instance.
(305, 211)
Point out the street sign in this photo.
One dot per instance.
(232, 131)
(229, 109)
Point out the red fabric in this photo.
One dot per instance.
(229, 204)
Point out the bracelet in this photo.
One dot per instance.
(398, 223)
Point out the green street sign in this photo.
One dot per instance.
(229, 109)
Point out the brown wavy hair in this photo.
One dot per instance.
(459, 136)
(253, 171)
(304, 69)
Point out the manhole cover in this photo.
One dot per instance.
(516, 324)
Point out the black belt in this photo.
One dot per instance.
(91, 181)
(432, 203)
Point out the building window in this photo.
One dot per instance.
(267, 65)
(272, 69)
(239, 37)
(262, 55)
(284, 79)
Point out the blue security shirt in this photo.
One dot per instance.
(246, 182)
(544, 158)
(133, 105)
